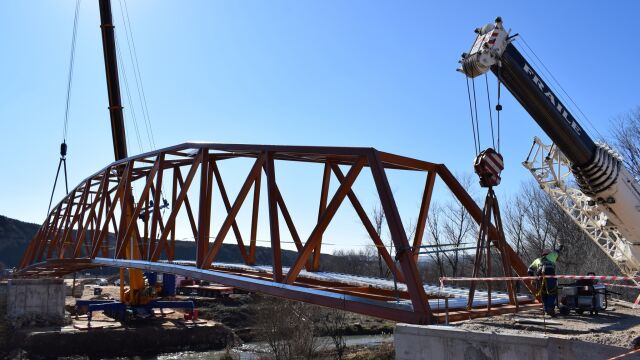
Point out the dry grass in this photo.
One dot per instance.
(378, 352)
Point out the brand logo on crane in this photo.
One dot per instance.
(552, 99)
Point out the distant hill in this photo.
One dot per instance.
(15, 236)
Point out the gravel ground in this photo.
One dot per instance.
(618, 326)
(108, 292)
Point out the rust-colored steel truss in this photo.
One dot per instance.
(87, 229)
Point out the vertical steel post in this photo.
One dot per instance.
(424, 213)
(273, 218)
(254, 220)
(204, 208)
(324, 192)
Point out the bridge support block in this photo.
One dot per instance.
(38, 301)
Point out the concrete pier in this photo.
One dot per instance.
(413, 342)
(35, 301)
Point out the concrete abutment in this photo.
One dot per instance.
(413, 342)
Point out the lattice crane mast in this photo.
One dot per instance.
(605, 202)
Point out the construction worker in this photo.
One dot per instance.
(544, 266)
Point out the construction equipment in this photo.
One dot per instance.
(191, 287)
(581, 298)
(141, 296)
(606, 200)
(137, 294)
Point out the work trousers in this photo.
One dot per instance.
(549, 302)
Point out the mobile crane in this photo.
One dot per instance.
(605, 201)
(141, 297)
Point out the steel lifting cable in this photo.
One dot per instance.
(475, 108)
(473, 121)
(133, 55)
(486, 82)
(70, 74)
(123, 72)
(135, 65)
(499, 107)
(62, 163)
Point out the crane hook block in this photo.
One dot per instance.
(488, 165)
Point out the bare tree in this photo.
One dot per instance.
(334, 324)
(459, 230)
(435, 228)
(626, 139)
(515, 222)
(451, 227)
(288, 328)
(356, 262)
(536, 206)
(534, 222)
(378, 222)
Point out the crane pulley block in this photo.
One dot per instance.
(491, 42)
(488, 165)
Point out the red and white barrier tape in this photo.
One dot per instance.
(623, 285)
(588, 277)
(625, 354)
(577, 277)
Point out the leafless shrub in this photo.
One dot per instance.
(333, 324)
(288, 328)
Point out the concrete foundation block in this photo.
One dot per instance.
(446, 342)
(35, 301)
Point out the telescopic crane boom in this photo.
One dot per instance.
(598, 171)
(136, 295)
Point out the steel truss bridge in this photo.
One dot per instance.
(76, 233)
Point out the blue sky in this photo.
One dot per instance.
(348, 73)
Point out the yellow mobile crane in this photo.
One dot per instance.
(140, 297)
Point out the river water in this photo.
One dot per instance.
(252, 351)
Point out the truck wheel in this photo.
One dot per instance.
(579, 311)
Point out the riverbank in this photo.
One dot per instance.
(369, 347)
(236, 323)
(246, 314)
(147, 339)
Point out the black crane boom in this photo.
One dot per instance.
(544, 106)
(113, 84)
(493, 50)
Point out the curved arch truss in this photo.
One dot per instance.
(99, 223)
